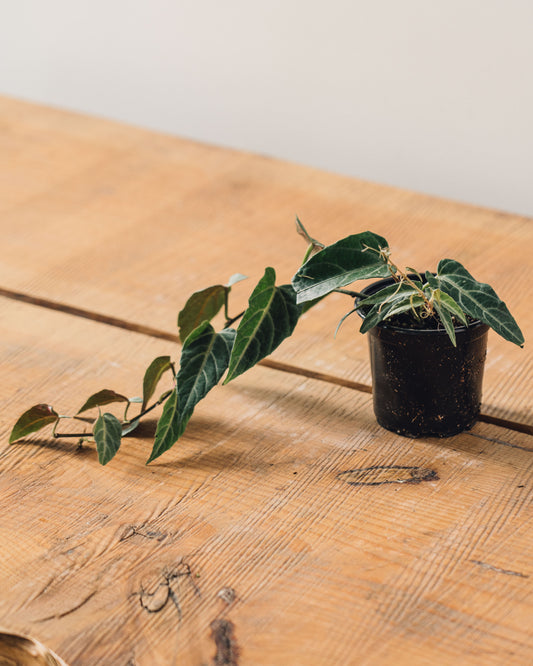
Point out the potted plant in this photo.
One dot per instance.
(427, 333)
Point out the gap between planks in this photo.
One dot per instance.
(267, 363)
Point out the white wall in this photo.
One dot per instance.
(432, 95)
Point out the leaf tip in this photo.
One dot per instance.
(228, 378)
(153, 456)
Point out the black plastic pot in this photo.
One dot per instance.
(422, 385)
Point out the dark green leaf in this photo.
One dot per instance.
(169, 428)
(397, 307)
(104, 397)
(447, 302)
(107, 432)
(432, 280)
(446, 319)
(381, 311)
(271, 316)
(373, 317)
(153, 374)
(204, 359)
(397, 291)
(34, 419)
(445, 307)
(352, 258)
(201, 306)
(415, 272)
(477, 299)
(384, 302)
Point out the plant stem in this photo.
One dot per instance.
(146, 411)
(401, 276)
(353, 294)
(57, 435)
(162, 399)
(232, 320)
(226, 299)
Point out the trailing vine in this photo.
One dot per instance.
(451, 296)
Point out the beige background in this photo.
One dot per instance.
(432, 95)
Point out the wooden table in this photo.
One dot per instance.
(245, 543)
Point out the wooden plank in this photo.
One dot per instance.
(127, 223)
(259, 534)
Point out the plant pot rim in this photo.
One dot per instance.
(371, 288)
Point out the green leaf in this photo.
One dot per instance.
(446, 319)
(201, 306)
(477, 299)
(394, 292)
(447, 302)
(169, 428)
(271, 316)
(204, 359)
(104, 397)
(402, 306)
(107, 432)
(415, 272)
(372, 318)
(383, 311)
(353, 258)
(432, 280)
(153, 374)
(33, 419)
(384, 301)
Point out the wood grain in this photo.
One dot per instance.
(249, 542)
(127, 223)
